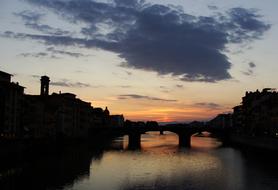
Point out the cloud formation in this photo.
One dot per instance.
(154, 37)
(32, 20)
(67, 83)
(62, 52)
(250, 70)
(125, 86)
(136, 96)
(36, 55)
(53, 53)
(212, 7)
(128, 73)
(179, 86)
(252, 64)
(209, 105)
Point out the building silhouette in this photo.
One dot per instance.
(222, 121)
(11, 99)
(45, 85)
(258, 114)
(117, 120)
(48, 116)
(57, 116)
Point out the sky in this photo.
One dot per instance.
(163, 60)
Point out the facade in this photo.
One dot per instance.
(237, 118)
(97, 117)
(117, 120)
(100, 117)
(129, 123)
(258, 114)
(221, 121)
(57, 115)
(45, 116)
(11, 99)
(151, 124)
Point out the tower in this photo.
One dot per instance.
(106, 112)
(44, 85)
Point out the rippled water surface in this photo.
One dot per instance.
(158, 164)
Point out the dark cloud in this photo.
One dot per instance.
(250, 70)
(212, 7)
(31, 19)
(252, 64)
(37, 55)
(125, 86)
(36, 76)
(68, 53)
(248, 21)
(128, 73)
(166, 91)
(30, 16)
(67, 83)
(47, 39)
(51, 52)
(156, 37)
(136, 96)
(209, 105)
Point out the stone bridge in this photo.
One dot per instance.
(183, 131)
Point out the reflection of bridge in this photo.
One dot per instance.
(183, 131)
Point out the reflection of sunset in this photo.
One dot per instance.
(154, 143)
(159, 159)
(204, 142)
(159, 144)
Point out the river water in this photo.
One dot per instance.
(158, 164)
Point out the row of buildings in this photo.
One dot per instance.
(256, 116)
(48, 116)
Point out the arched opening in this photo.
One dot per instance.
(153, 141)
(167, 142)
(171, 140)
(204, 140)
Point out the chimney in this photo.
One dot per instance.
(45, 85)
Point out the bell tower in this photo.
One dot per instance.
(45, 85)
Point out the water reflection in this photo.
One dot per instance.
(204, 141)
(57, 171)
(159, 164)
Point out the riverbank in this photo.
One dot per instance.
(260, 143)
(13, 151)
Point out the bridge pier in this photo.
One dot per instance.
(134, 141)
(184, 139)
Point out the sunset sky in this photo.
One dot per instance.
(164, 60)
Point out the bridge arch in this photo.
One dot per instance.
(184, 133)
(184, 137)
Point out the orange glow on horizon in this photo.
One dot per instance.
(172, 114)
(162, 112)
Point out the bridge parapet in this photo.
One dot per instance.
(183, 131)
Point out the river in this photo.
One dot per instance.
(158, 164)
